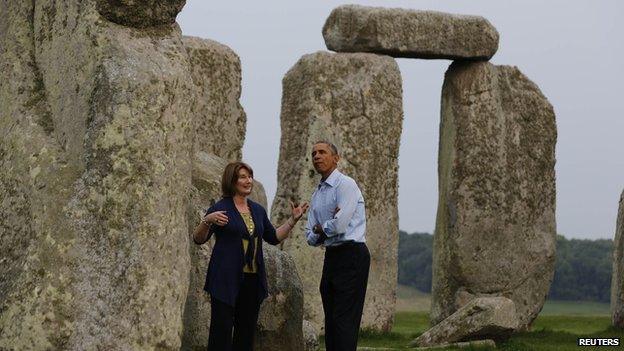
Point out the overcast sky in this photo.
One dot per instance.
(571, 49)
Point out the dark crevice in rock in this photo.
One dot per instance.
(38, 100)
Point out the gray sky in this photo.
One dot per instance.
(570, 49)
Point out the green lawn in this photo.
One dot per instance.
(549, 333)
(557, 328)
(575, 308)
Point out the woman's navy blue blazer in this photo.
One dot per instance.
(225, 270)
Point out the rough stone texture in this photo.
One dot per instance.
(495, 230)
(94, 180)
(617, 280)
(206, 190)
(281, 314)
(140, 13)
(355, 101)
(409, 33)
(482, 317)
(216, 70)
(310, 337)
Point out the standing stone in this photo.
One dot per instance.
(220, 119)
(281, 314)
(495, 230)
(354, 101)
(310, 337)
(409, 33)
(206, 190)
(219, 123)
(94, 180)
(617, 280)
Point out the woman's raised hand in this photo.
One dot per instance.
(218, 217)
(298, 210)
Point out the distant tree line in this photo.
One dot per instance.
(582, 267)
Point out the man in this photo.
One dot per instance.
(337, 220)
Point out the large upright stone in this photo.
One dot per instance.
(220, 118)
(617, 280)
(94, 179)
(280, 323)
(409, 33)
(355, 101)
(495, 230)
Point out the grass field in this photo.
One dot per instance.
(558, 333)
(557, 328)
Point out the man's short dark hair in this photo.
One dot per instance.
(333, 147)
(230, 177)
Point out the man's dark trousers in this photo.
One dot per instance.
(343, 289)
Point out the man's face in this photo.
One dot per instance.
(323, 159)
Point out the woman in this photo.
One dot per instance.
(236, 278)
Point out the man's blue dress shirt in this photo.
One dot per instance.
(349, 223)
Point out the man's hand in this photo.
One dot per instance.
(318, 229)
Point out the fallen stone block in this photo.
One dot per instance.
(484, 317)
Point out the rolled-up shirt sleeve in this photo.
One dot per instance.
(347, 195)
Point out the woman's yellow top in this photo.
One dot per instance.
(250, 227)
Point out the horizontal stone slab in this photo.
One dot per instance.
(140, 14)
(410, 33)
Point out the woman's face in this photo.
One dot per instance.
(244, 184)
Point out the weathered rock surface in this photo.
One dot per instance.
(221, 121)
(281, 314)
(409, 33)
(355, 101)
(140, 14)
(482, 317)
(495, 230)
(206, 190)
(95, 147)
(310, 337)
(617, 280)
(95, 179)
